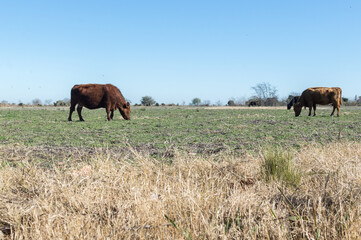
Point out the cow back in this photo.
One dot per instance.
(94, 96)
(320, 95)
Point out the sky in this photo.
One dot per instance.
(175, 51)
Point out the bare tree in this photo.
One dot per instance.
(206, 103)
(265, 90)
(48, 102)
(219, 103)
(36, 102)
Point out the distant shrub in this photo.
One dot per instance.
(59, 103)
(278, 165)
(231, 103)
(64, 102)
(271, 101)
(147, 101)
(196, 101)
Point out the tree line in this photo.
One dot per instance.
(264, 95)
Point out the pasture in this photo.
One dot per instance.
(180, 172)
(158, 130)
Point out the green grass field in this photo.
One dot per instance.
(180, 173)
(157, 130)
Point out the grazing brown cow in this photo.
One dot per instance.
(94, 96)
(319, 95)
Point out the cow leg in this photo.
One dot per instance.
(336, 106)
(314, 109)
(79, 108)
(108, 116)
(111, 114)
(72, 109)
(310, 110)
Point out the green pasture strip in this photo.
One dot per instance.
(159, 129)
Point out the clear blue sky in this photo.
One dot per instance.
(177, 50)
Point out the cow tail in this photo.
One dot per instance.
(340, 96)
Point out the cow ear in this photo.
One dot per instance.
(126, 105)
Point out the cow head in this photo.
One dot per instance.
(297, 108)
(124, 110)
(289, 106)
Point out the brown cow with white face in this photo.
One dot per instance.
(94, 96)
(319, 95)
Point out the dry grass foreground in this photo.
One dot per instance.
(100, 196)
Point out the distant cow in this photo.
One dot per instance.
(254, 103)
(94, 96)
(292, 102)
(319, 95)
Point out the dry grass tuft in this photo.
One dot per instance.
(109, 196)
